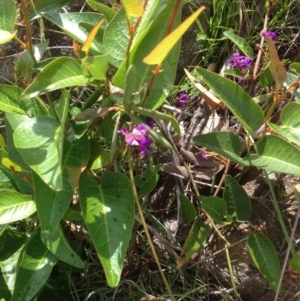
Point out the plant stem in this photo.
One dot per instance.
(140, 211)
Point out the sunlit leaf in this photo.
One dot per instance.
(160, 52)
(194, 241)
(34, 267)
(8, 15)
(240, 43)
(133, 8)
(15, 206)
(108, 212)
(87, 44)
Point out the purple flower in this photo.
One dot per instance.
(140, 137)
(202, 154)
(150, 122)
(268, 34)
(181, 101)
(240, 61)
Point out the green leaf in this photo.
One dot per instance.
(242, 106)
(274, 153)
(147, 180)
(290, 126)
(160, 52)
(108, 12)
(295, 262)
(266, 77)
(239, 42)
(215, 207)
(60, 247)
(38, 141)
(129, 90)
(24, 64)
(165, 79)
(194, 241)
(159, 116)
(95, 66)
(116, 37)
(6, 36)
(11, 244)
(224, 143)
(8, 15)
(78, 27)
(39, 6)
(265, 258)
(188, 210)
(15, 206)
(10, 99)
(295, 67)
(60, 73)
(34, 267)
(238, 202)
(133, 8)
(52, 205)
(108, 211)
(99, 157)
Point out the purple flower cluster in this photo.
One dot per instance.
(268, 34)
(240, 61)
(139, 136)
(181, 101)
(202, 154)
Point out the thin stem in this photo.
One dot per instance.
(140, 211)
(28, 30)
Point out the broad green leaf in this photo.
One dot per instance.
(52, 205)
(5, 293)
(34, 267)
(38, 6)
(116, 37)
(108, 211)
(238, 202)
(15, 206)
(10, 99)
(165, 79)
(6, 36)
(242, 106)
(290, 127)
(274, 153)
(215, 207)
(239, 42)
(12, 121)
(297, 192)
(24, 64)
(60, 247)
(108, 12)
(159, 116)
(39, 142)
(278, 70)
(224, 143)
(133, 8)
(129, 89)
(147, 180)
(99, 157)
(194, 241)
(60, 73)
(265, 258)
(160, 52)
(295, 262)
(95, 66)
(266, 78)
(153, 8)
(295, 67)
(188, 210)
(11, 244)
(8, 15)
(78, 26)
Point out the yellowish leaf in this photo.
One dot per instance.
(159, 53)
(87, 44)
(133, 8)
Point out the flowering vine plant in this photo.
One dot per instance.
(60, 160)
